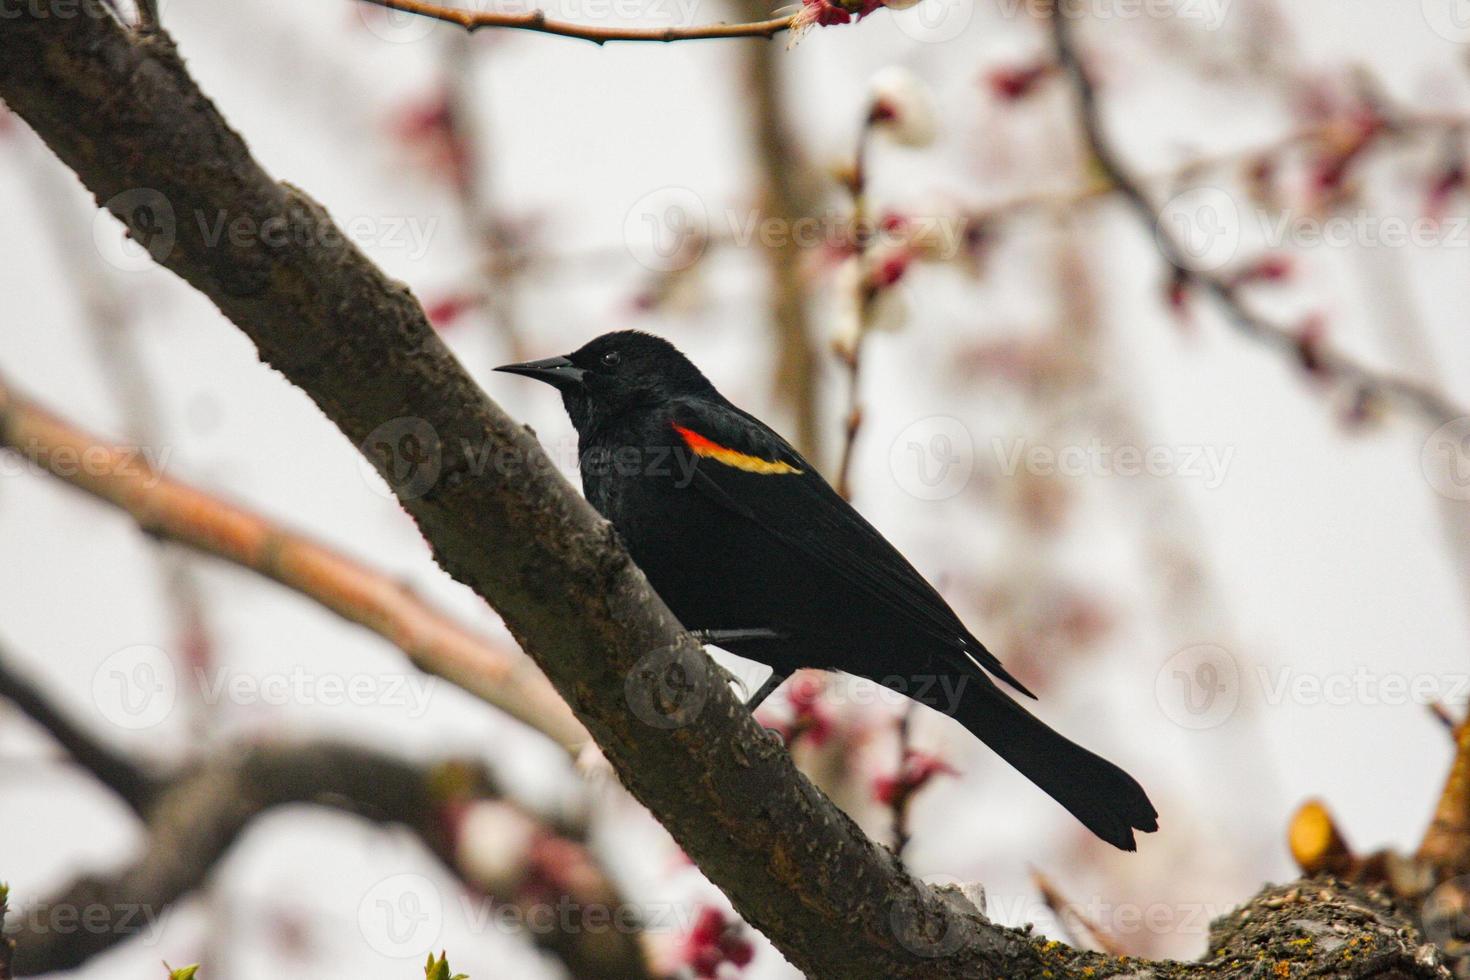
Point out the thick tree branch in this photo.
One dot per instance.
(536, 20)
(124, 114)
(1325, 362)
(174, 511)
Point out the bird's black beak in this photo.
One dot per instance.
(555, 371)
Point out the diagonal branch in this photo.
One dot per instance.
(129, 781)
(536, 20)
(124, 113)
(198, 816)
(194, 816)
(1326, 362)
(174, 511)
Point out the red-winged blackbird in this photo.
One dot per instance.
(755, 552)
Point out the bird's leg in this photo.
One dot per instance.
(764, 691)
(727, 638)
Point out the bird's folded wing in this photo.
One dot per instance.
(792, 502)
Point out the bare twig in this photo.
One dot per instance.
(851, 354)
(1324, 361)
(536, 20)
(174, 511)
(1079, 926)
(903, 794)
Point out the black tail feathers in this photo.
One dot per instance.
(1107, 800)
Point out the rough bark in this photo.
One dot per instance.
(122, 111)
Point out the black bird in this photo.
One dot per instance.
(755, 552)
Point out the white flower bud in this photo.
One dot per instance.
(491, 847)
(902, 106)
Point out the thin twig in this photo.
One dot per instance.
(901, 798)
(536, 20)
(852, 357)
(1078, 926)
(1326, 362)
(174, 511)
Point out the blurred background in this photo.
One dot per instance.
(1226, 559)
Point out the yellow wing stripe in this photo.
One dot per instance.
(709, 449)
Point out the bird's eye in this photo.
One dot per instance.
(611, 359)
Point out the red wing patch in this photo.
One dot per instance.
(709, 449)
